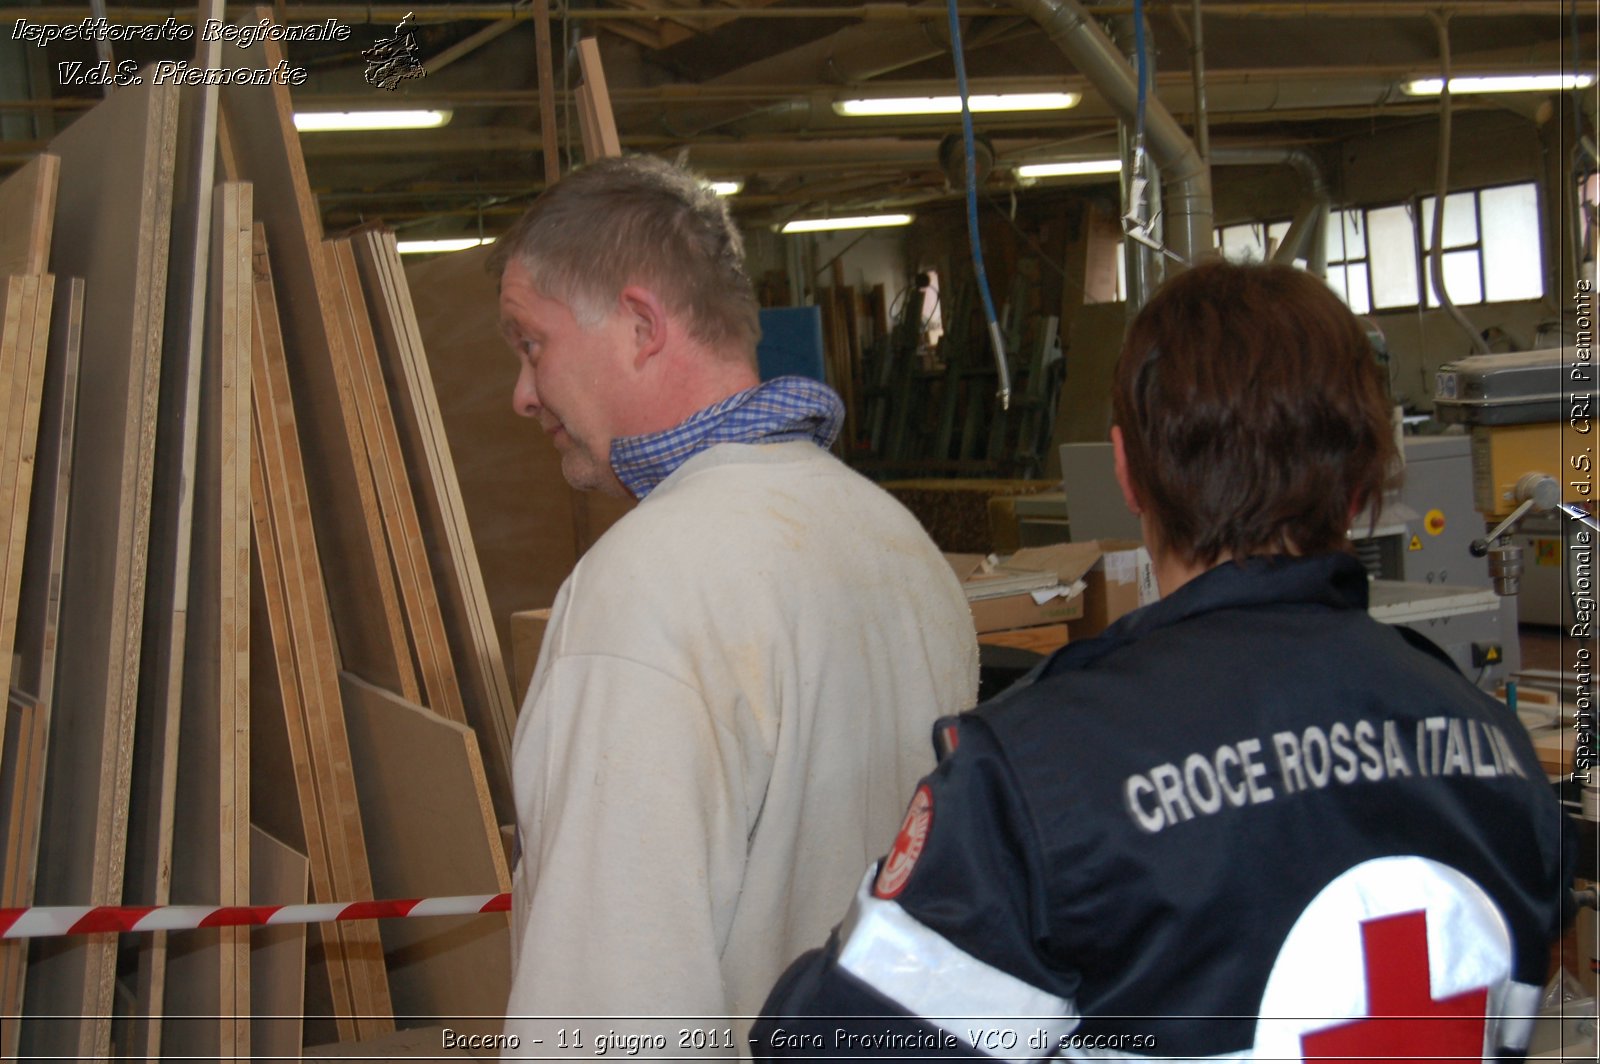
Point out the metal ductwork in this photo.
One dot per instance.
(1186, 180)
(1308, 234)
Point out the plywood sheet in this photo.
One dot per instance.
(306, 666)
(431, 833)
(265, 149)
(37, 615)
(24, 349)
(278, 876)
(157, 728)
(469, 619)
(402, 528)
(112, 227)
(28, 206)
(208, 971)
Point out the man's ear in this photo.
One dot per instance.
(1120, 459)
(647, 317)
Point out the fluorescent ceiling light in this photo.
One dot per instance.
(428, 247)
(1504, 83)
(1070, 168)
(349, 121)
(950, 105)
(860, 221)
(726, 188)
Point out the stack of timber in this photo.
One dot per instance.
(33, 423)
(253, 659)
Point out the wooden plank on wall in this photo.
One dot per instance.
(292, 574)
(28, 205)
(259, 126)
(432, 833)
(112, 228)
(469, 620)
(38, 611)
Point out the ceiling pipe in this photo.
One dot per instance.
(1308, 234)
(1186, 181)
(1197, 72)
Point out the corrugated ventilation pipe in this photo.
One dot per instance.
(1185, 178)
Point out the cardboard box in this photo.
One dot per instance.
(527, 636)
(1116, 572)
(994, 610)
(1041, 639)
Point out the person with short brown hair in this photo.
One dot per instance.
(1247, 821)
(737, 680)
(1248, 402)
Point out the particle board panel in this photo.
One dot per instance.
(521, 511)
(469, 620)
(402, 527)
(112, 228)
(432, 833)
(158, 727)
(208, 972)
(281, 516)
(259, 124)
(38, 611)
(28, 206)
(278, 876)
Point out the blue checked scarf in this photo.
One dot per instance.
(775, 411)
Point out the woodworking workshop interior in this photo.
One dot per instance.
(280, 533)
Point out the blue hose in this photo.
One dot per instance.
(967, 140)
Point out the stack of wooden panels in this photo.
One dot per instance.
(30, 426)
(240, 524)
(112, 229)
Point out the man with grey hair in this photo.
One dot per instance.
(738, 681)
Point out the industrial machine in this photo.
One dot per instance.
(1532, 424)
(1531, 419)
(1424, 573)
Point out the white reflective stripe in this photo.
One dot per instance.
(926, 974)
(1512, 1009)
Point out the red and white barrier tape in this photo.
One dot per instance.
(45, 921)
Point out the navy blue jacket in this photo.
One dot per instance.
(1246, 800)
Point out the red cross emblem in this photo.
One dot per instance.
(907, 846)
(1403, 1019)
